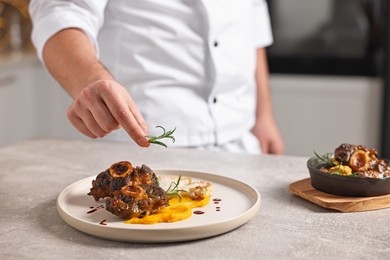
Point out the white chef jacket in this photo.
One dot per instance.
(187, 64)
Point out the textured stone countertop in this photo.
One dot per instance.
(34, 172)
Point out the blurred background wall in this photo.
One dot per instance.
(31, 102)
(327, 79)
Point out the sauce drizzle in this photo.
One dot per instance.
(94, 209)
(216, 200)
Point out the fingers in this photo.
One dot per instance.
(103, 117)
(79, 125)
(104, 107)
(127, 115)
(84, 121)
(277, 148)
(272, 145)
(264, 148)
(137, 115)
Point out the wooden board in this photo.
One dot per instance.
(304, 190)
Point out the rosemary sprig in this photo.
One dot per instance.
(155, 139)
(326, 159)
(173, 189)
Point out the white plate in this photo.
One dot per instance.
(239, 203)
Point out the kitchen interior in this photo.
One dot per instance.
(327, 67)
(329, 74)
(31, 102)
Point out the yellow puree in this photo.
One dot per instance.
(176, 211)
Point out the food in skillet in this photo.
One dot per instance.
(137, 194)
(354, 160)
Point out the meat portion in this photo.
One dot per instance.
(137, 201)
(129, 192)
(343, 153)
(141, 196)
(112, 179)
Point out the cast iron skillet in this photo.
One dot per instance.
(345, 185)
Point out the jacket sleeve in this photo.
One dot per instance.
(262, 24)
(50, 17)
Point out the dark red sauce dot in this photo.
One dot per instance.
(91, 211)
(95, 209)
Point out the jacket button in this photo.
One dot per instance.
(215, 44)
(214, 100)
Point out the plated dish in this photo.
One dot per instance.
(137, 195)
(231, 205)
(351, 170)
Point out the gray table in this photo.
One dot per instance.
(34, 172)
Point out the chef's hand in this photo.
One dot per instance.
(268, 135)
(105, 106)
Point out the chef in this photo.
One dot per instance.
(195, 65)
